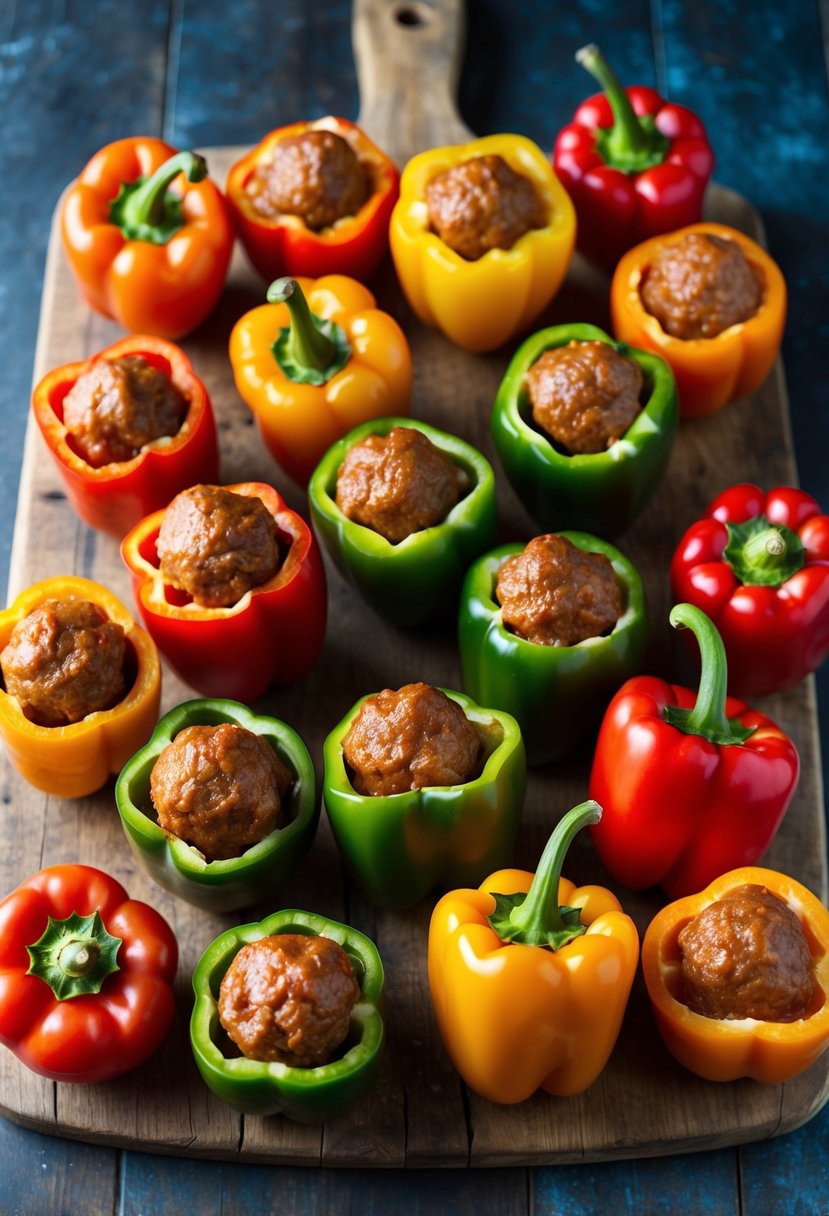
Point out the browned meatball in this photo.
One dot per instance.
(288, 998)
(700, 286)
(63, 661)
(483, 204)
(746, 956)
(120, 405)
(585, 395)
(398, 483)
(316, 175)
(219, 788)
(554, 594)
(411, 738)
(216, 545)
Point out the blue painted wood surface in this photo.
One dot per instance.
(74, 76)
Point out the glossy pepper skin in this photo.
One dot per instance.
(113, 497)
(758, 564)
(155, 258)
(555, 692)
(600, 492)
(86, 975)
(306, 1095)
(316, 361)
(402, 846)
(531, 996)
(693, 783)
(482, 304)
(74, 761)
(417, 579)
(238, 882)
(709, 372)
(634, 165)
(285, 245)
(723, 1050)
(272, 635)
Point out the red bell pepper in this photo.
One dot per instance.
(634, 165)
(692, 784)
(86, 975)
(284, 245)
(272, 635)
(758, 564)
(113, 497)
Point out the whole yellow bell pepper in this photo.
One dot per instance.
(529, 992)
(481, 304)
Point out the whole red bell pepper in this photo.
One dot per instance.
(113, 497)
(86, 975)
(692, 784)
(758, 564)
(633, 164)
(272, 635)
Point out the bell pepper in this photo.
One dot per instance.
(633, 164)
(402, 846)
(74, 761)
(272, 635)
(725, 1049)
(148, 236)
(600, 492)
(758, 564)
(482, 304)
(418, 578)
(285, 245)
(709, 372)
(86, 975)
(306, 1095)
(555, 692)
(113, 497)
(530, 976)
(310, 374)
(238, 882)
(692, 783)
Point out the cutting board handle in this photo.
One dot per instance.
(408, 55)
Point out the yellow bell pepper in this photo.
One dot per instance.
(481, 304)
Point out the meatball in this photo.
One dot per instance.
(700, 286)
(316, 175)
(746, 956)
(398, 483)
(216, 545)
(219, 788)
(120, 405)
(554, 594)
(585, 395)
(483, 204)
(63, 661)
(411, 738)
(288, 998)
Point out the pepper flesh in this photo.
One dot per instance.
(723, 1050)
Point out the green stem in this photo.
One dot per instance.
(147, 206)
(632, 144)
(306, 346)
(707, 718)
(763, 554)
(74, 956)
(78, 957)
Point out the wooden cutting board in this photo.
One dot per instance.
(419, 1114)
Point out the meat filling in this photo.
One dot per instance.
(584, 395)
(316, 175)
(701, 286)
(483, 204)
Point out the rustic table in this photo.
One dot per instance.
(74, 77)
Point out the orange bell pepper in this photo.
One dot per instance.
(481, 304)
(709, 372)
(73, 761)
(529, 994)
(312, 369)
(723, 1050)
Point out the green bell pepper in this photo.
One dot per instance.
(601, 493)
(417, 579)
(555, 692)
(401, 846)
(306, 1095)
(238, 882)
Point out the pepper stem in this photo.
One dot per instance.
(631, 144)
(707, 718)
(145, 210)
(310, 350)
(74, 956)
(763, 554)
